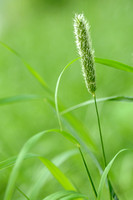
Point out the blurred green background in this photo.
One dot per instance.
(42, 32)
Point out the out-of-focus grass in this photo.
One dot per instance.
(42, 32)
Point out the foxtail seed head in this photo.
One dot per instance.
(83, 42)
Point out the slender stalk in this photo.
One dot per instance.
(22, 193)
(102, 144)
(100, 131)
(88, 172)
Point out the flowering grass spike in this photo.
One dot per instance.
(83, 41)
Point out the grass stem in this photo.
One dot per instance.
(22, 193)
(88, 172)
(102, 144)
(100, 131)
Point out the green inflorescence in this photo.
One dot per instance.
(83, 42)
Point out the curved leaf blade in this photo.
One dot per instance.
(31, 70)
(85, 103)
(19, 98)
(11, 161)
(114, 64)
(105, 173)
(39, 180)
(27, 146)
(56, 90)
(63, 194)
(76, 196)
(80, 132)
(57, 173)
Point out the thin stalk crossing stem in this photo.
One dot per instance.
(102, 144)
(88, 172)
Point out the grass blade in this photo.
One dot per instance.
(56, 90)
(23, 194)
(79, 128)
(75, 196)
(114, 64)
(31, 70)
(57, 173)
(72, 120)
(105, 173)
(39, 179)
(70, 138)
(85, 103)
(75, 126)
(27, 146)
(11, 161)
(88, 173)
(80, 132)
(23, 97)
(63, 194)
(19, 98)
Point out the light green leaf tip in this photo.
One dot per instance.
(57, 173)
(105, 173)
(114, 64)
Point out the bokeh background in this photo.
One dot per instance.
(42, 32)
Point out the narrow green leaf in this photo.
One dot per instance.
(75, 196)
(11, 161)
(63, 194)
(76, 127)
(57, 173)
(79, 130)
(88, 172)
(114, 64)
(79, 127)
(81, 133)
(70, 138)
(76, 124)
(19, 98)
(39, 181)
(23, 194)
(31, 70)
(27, 146)
(105, 173)
(56, 90)
(85, 103)
(58, 195)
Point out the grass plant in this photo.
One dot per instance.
(69, 127)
